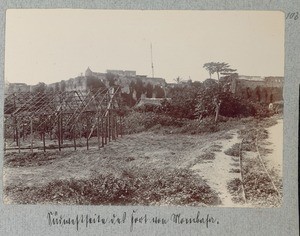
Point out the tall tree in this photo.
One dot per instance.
(221, 68)
(149, 90)
(212, 96)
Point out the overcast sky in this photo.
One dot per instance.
(54, 45)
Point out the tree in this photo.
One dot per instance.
(56, 88)
(221, 68)
(178, 80)
(258, 92)
(112, 78)
(63, 86)
(211, 98)
(183, 101)
(94, 84)
(159, 91)
(208, 96)
(149, 90)
(215, 102)
(139, 88)
(40, 88)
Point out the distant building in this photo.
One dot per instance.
(123, 78)
(79, 84)
(258, 88)
(242, 81)
(120, 77)
(122, 72)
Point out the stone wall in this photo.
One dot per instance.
(261, 89)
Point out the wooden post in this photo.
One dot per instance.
(109, 130)
(74, 137)
(117, 127)
(121, 127)
(23, 131)
(98, 133)
(61, 128)
(102, 131)
(31, 135)
(59, 131)
(43, 135)
(87, 136)
(18, 137)
(44, 142)
(15, 119)
(80, 129)
(16, 132)
(112, 125)
(5, 135)
(106, 129)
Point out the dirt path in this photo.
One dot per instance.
(217, 172)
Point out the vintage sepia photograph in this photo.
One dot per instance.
(148, 108)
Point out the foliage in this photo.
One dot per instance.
(138, 121)
(178, 80)
(233, 151)
(40, 88)
(112, 78)
(134, 186)
(183, 102)
(149, 90)
(94, 84)
(159, 92)
(219, 68)
(139, 88)
(214, 98)
(127, 100)
(63, 86)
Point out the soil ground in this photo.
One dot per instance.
(202, 154)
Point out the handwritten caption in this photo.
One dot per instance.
(132, 219)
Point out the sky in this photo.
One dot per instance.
(53, 45)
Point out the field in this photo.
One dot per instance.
(157, 167)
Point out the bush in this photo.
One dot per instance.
(137, 122)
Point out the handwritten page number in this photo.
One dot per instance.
(292, 16)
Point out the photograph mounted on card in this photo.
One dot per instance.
(148, 108)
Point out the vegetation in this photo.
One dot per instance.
(110, 176)
(94, 84)
(134, 186)
(220, 68)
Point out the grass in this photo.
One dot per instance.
(215, 148)
(142, 169)
(258, 187)
(134, 186)
(233, 151)
(232, 170)
(235, 189)
(207, 156)
(29, 159)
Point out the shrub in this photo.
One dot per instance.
(137, 122)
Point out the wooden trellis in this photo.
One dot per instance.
(61, 117)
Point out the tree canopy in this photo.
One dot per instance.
(221, 68)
